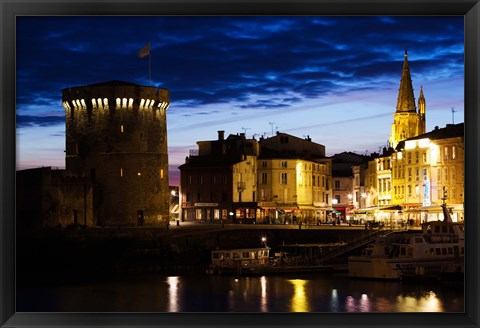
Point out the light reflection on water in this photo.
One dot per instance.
(308, 293)
(299, 298)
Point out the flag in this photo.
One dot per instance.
(145, 51)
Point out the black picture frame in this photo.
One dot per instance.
(470, 9)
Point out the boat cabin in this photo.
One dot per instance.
(245, 257)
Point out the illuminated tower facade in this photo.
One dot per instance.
(116, 135)
(407, 122)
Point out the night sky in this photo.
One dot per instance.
(332, 78)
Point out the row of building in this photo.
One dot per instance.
(285, 179)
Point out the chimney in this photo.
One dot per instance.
(221, 135)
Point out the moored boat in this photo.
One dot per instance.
(435, 252)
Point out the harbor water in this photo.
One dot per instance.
(322, 292)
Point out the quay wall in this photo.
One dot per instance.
(65, 256)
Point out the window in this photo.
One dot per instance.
(284, 178)
(445, 153)
(121, 172)
(337, 184)
(161, 173)
(263, 194)
(284, 164)
(283, 139)
(417, 155)
(264, 164)
(337, 197)
(264, 177)
(409, 174)
(454, 152)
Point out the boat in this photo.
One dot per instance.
(435, 252)
(292, 258)
(238, 260)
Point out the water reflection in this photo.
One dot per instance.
(299, 299)
(173, 300)
(429, 302)
(305, 293)
(263, 295)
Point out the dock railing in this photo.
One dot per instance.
(360, 240)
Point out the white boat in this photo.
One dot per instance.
(438, 250)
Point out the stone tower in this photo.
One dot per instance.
(407, 122)
(116, 135)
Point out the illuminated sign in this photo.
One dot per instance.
(426, 194)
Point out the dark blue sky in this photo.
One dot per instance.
(334, 78)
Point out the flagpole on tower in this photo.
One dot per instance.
(149, 66)
(145, 51)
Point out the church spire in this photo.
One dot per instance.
(422, 104)
(406, 99)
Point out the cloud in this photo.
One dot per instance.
(24, 121)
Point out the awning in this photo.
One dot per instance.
(305, 207)
(434, 208)
(391, 208)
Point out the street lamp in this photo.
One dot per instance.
(264, 241)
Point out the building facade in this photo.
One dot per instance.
(428, 170)
(218, 181)
(282, 179)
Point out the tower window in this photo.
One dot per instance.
(161, 173)
(121, 172)
(121, 128)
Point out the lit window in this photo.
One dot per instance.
(139, 173)
(121, 128)
(121, 172)
(161, 173)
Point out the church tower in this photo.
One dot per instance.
(407, 122)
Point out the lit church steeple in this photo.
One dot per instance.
(406, 99)
(407, 122)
